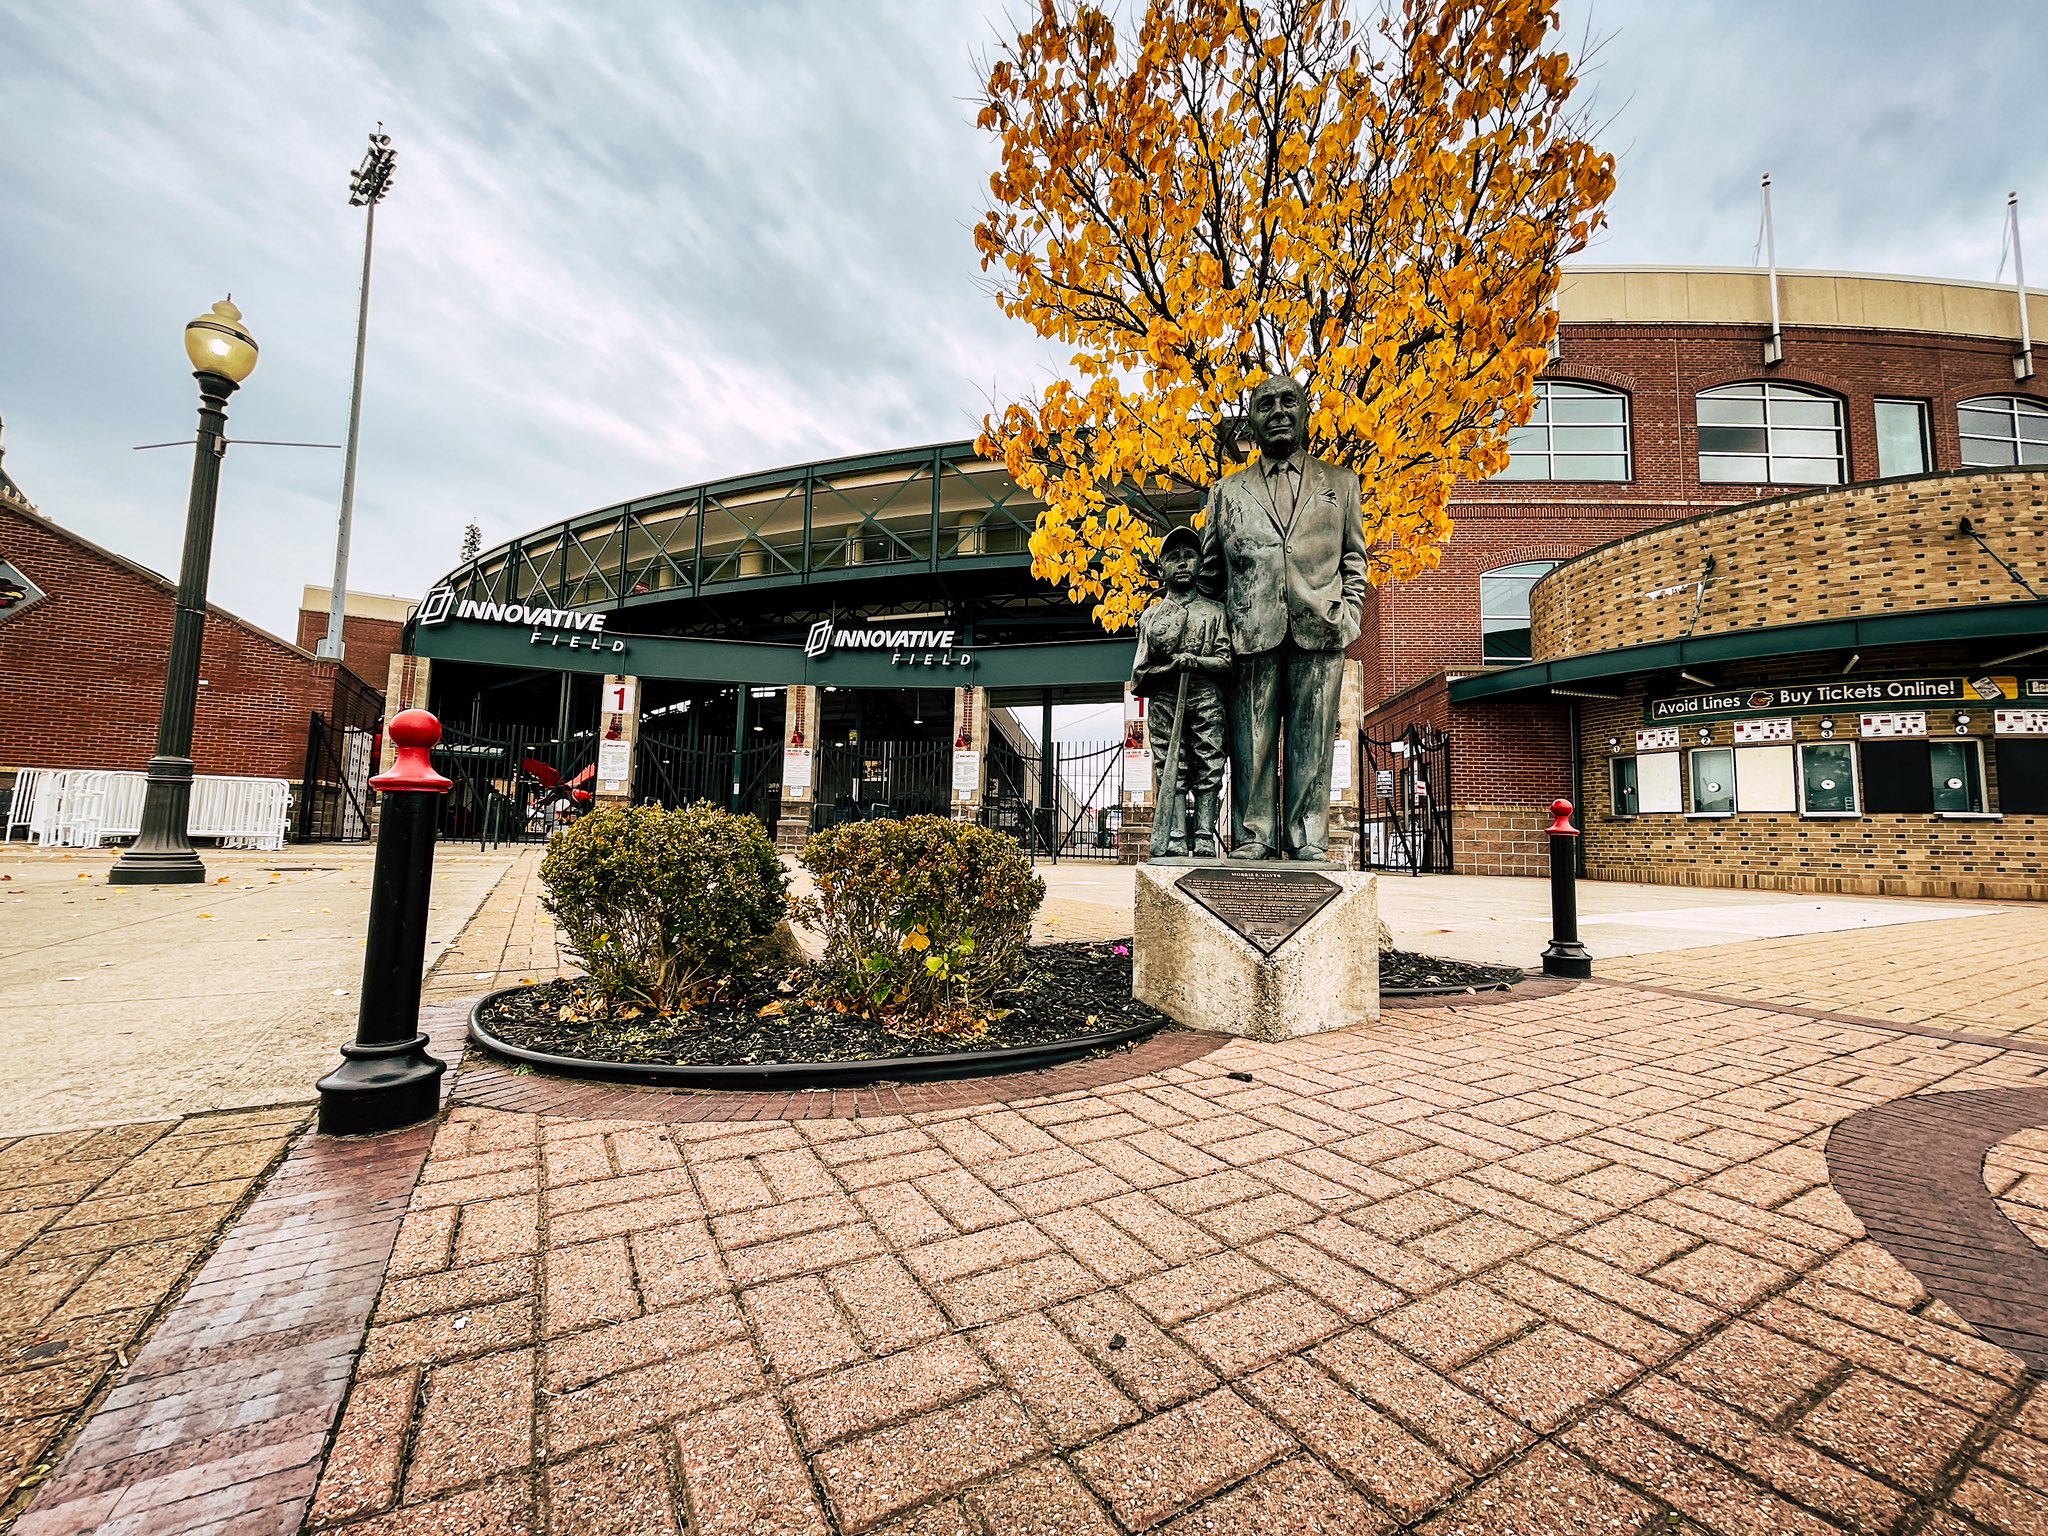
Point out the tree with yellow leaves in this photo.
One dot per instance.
(1213, 191)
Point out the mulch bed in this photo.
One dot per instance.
(1067, 991)
(1402, 972)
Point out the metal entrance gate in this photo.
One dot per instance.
(1081, 815)
(510, 782)
(675, 768)
(878, 780)
(1405, 817)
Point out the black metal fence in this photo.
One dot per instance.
(1405, 801)
(513, 783)
(878, 780)
(1074, 811)
(676, 767)
(341, 754)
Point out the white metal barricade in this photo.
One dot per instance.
(82, 808)
(21, 801)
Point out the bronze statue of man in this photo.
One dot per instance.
(1283, 549)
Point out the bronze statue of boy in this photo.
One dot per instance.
(1184, 658)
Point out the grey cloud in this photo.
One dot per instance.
(638, 244)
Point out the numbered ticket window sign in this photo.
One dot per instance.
(1762, 732)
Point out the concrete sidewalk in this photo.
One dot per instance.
(1576, 1261)
(140, 1003)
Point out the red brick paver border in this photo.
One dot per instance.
(227, 1409)
(221, 1421)
(1913, 1171)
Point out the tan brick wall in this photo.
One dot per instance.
(1499, 839)
(1888, 547)
(1918, 855)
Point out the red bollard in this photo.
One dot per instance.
(387, 1079)
(1565, 956)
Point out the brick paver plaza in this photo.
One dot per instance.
(1637, 1255)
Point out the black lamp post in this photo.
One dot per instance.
(223, 354)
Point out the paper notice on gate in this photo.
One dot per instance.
(1138, 775)
(966, 773)
(614, 765)
(796, 770)
(1340, 767)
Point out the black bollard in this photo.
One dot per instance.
(387, 1079)
(1566, 956)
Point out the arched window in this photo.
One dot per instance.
(1770, 434)
(1578, 432)
(2003, 429)
(1504, 610)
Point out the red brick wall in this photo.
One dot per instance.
(1509, 759)
(82, 671)
(368, 644)
(1416, 629)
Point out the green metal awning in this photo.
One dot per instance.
(2016, 622)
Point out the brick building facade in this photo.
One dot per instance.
(372, 630)
(82, 659)
(1865, 351)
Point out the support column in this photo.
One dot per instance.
(970, 752)
(1345, 771)
(801, 708)
(618, 736)
(1048, 781)
(1134, 835)
(407, 682)
(741, 697)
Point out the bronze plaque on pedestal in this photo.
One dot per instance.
(1264, 906)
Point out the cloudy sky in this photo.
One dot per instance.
(632, 246)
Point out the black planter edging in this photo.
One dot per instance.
(1450, 991)
(793, 1075)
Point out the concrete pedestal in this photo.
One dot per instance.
(1193, 966)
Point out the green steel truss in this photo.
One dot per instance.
(940, 508)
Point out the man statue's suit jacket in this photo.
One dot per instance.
(1278, 577)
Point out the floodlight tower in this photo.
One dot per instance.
(367, 185)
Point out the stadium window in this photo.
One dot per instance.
(1504, 611)
(1622, 786)
(1827, 779)
(1902, 438)
(1713, 781)
(1770, 434)
(1577, 432)
(2003, 429)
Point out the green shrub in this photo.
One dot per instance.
(923, 919)
(656, 903)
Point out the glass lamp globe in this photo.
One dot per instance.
(218, 342)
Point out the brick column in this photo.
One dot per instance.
(406, 680)
(800, 710)
(970, 734)
(618, 735)
(1134, 837)
(406, 683)
(1345, 802)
